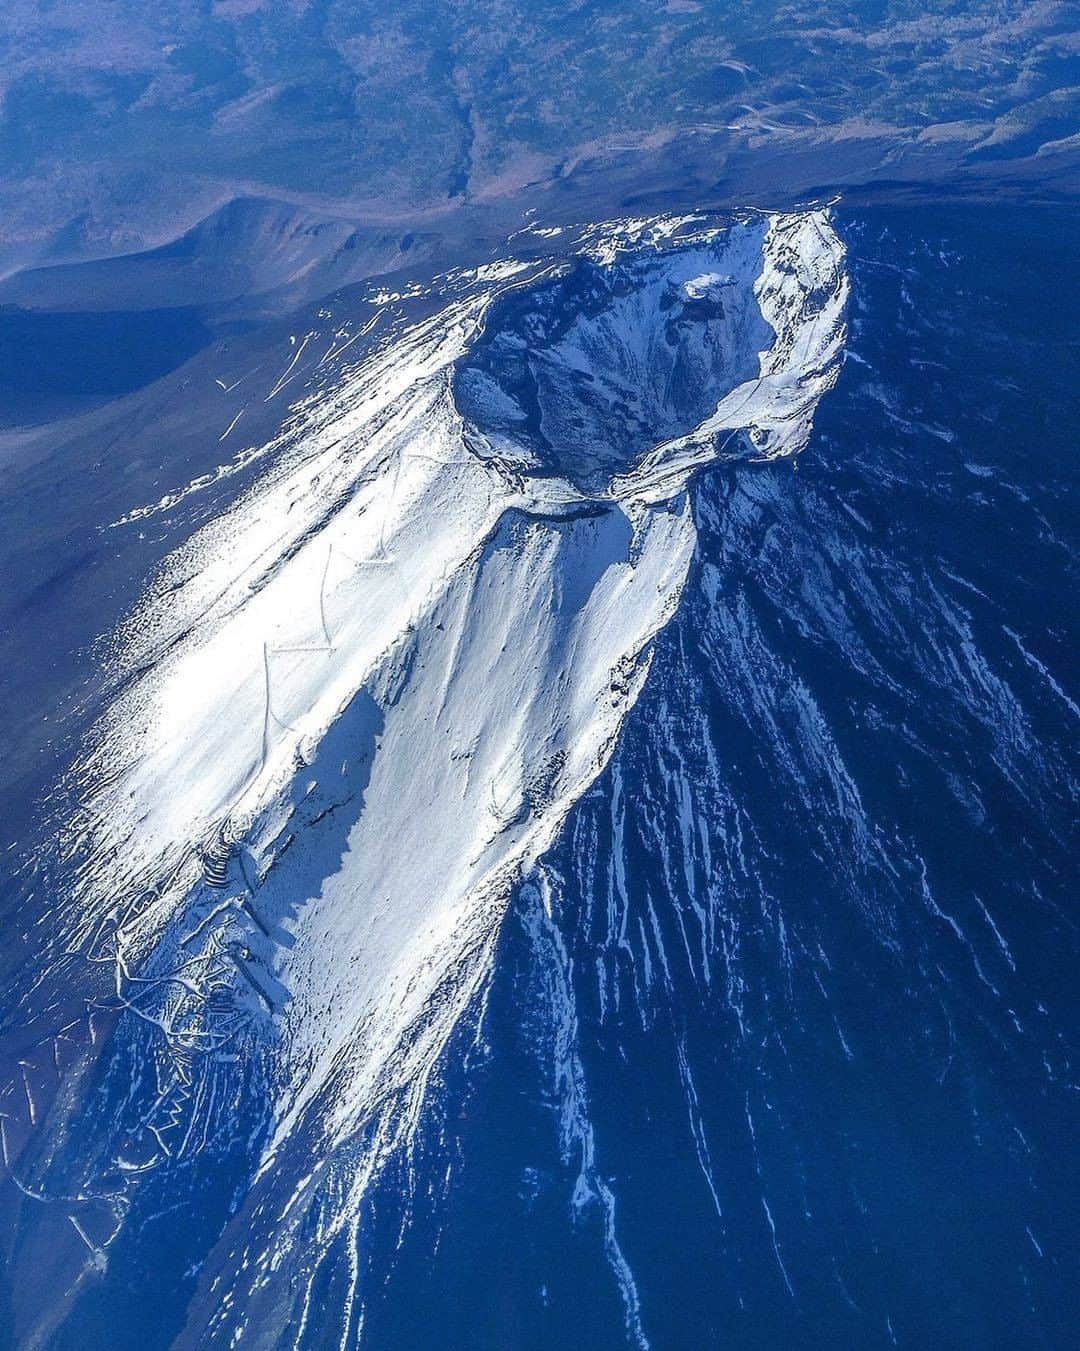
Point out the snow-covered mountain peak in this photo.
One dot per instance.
(359, 704)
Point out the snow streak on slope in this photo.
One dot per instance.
(359, 705)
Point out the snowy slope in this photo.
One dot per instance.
(358, 706)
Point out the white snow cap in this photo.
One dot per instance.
(464, 636)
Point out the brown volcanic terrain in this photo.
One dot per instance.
(124, 125)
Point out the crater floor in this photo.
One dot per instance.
(582, 375)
